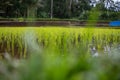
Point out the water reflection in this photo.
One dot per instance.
(107, 50)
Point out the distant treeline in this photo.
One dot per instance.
(65, 9)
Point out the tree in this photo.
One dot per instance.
(31, 7)
(51, 12)
(108, 10)
(80, 8)
(7, 6)
(12, 8)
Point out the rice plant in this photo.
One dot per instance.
(64, 40)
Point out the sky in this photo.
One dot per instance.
(116, 0)
(113, 0)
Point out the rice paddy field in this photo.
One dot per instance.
(59, 53)
(18, 41)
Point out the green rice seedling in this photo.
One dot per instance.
(12, 39)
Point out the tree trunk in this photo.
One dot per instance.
(51, 13)
(68, 7)
(31, 13)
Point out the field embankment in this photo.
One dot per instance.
(22, 23)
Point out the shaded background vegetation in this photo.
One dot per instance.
(74, 9)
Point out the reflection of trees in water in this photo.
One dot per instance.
(106, 50)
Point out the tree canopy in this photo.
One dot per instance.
(78, 9)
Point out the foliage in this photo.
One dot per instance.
(108, 10)
(78, 9)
